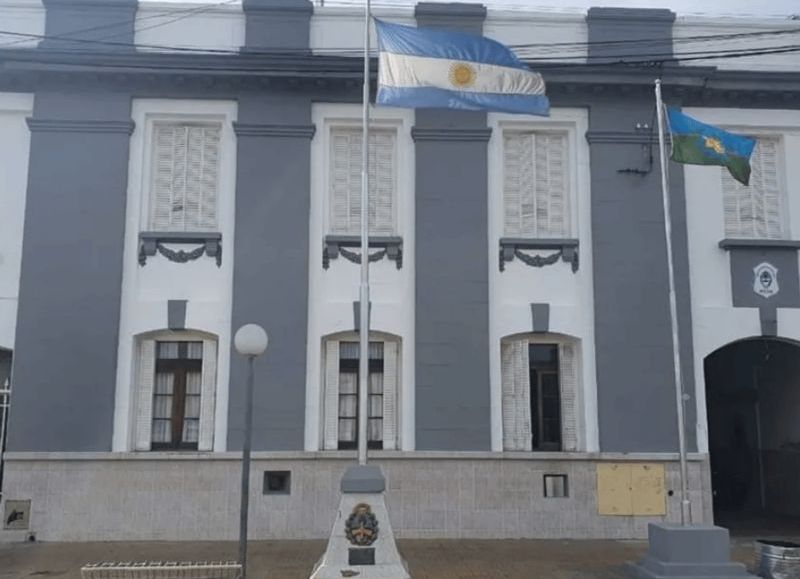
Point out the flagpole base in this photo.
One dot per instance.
(362, 543)
(689, 551)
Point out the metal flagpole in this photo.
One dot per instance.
(363, 326)
(673, 312)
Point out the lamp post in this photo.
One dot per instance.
(250, 340)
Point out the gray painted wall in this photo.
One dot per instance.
(69, 298)
(633, 342)
(452, 270)
(109, 21)
(270, 271)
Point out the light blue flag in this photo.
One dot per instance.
(422, 68)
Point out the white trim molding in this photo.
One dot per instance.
(333, 291)
(568, 291)
(206, 287)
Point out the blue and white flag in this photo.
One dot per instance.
(421, 68)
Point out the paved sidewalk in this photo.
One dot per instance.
(427, 559)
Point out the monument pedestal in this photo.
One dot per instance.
(362, 542)
(693, 551)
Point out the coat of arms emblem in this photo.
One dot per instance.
(765, 281)
(361, 527)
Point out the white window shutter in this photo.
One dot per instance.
(756, 211)
(208, 395)
(167, 155)
(390, 365)
(516, 392)
(551, 185)
(345, 180)
(568, 380)
(143, 402)
(383, 179)
(517, 185)
(535, 185)
(331, 410)
(185, 180)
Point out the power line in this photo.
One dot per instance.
(162, 14)
(528, 49)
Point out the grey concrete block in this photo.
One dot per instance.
(363, 479)
(688, 551)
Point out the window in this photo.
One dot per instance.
(539, 391)
(175, 392)
(535, 184)
(184, 181)
(545, 397)
(344, 180)
(348, 396)
(340, 428)
(756, 211)
(176, 395)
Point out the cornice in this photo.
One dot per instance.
(32, 67)
(79, 126)
(449, 134)
(270, 130)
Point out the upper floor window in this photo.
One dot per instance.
(344, 180)
(757, 211)
(539, 393)
(341, 394)
(536, 184)
(184, 176)
(175, 392)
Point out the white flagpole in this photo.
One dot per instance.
(363, 327)
(673, 313)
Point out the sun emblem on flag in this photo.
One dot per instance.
(462, 74)
(714, 144)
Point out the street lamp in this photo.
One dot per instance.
(250, 340)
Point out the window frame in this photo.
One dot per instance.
(152, 119)
(541, 370)
(569, 218)
(327, 116)
(562, 121)
(571, 387)
(143, 388)
(349, 124)
(179, 367)
(351, 366)
(782, 194)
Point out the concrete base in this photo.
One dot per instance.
(691, 552)
(362, 485)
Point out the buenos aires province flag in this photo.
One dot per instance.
(429, 68)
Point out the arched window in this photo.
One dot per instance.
(539, 376)
(341, 362)
(175, 392)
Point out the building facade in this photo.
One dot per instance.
(172, 172)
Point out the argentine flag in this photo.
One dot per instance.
(421, 68)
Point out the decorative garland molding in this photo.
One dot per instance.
(255, 130)
(79, 126)
(151, 242)
(336, 245)
(565, 249)
(426, 134)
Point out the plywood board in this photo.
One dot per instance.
(614, 489)
(647, 489)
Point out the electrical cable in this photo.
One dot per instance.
(162, 14)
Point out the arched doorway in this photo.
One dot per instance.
(753, 409)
